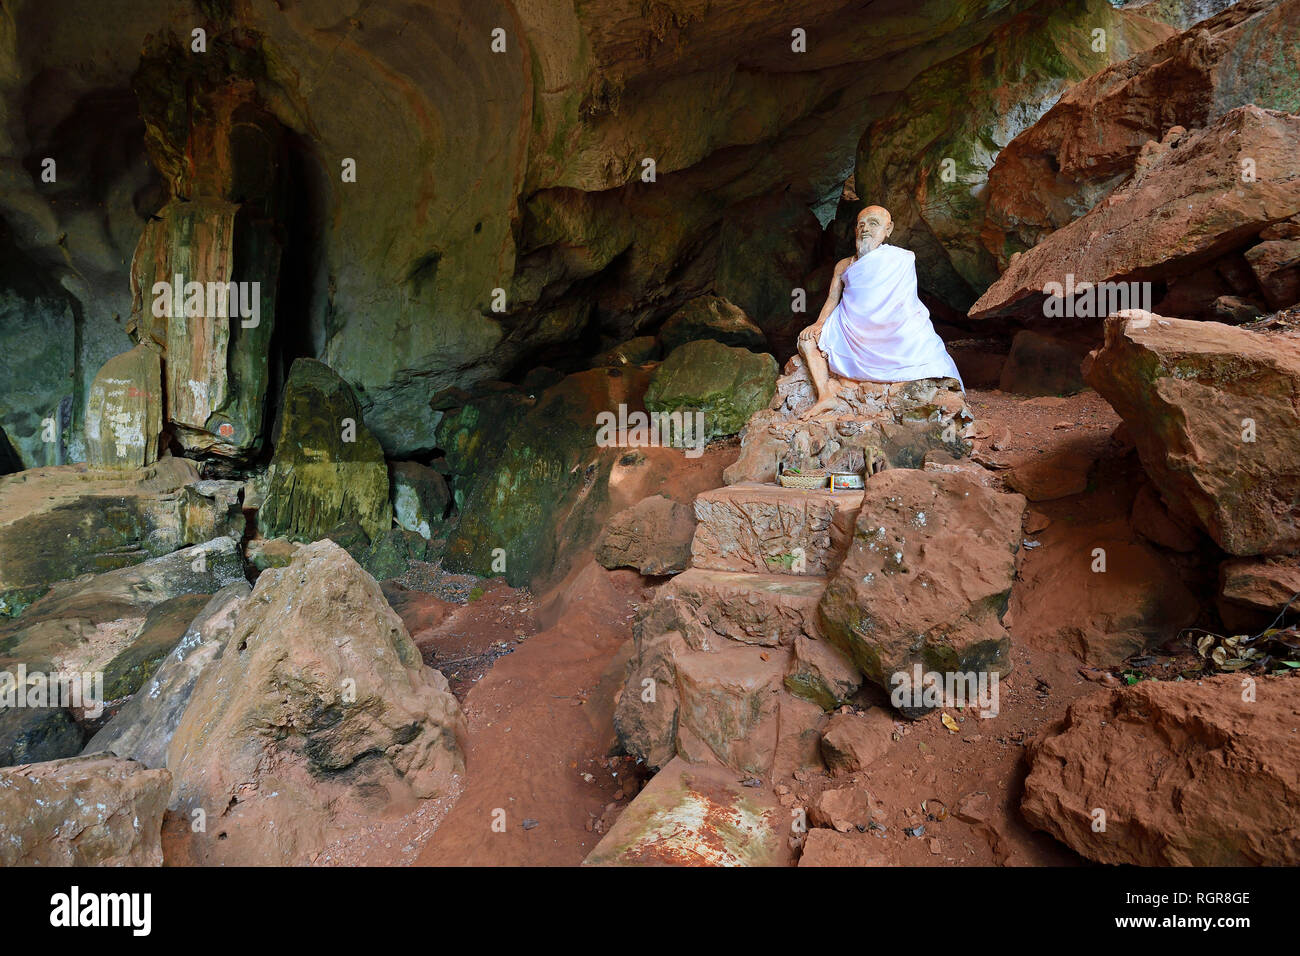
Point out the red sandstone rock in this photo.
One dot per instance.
(1094, 136)
(1212, 410)
(1253, 591)
(765, 528)
(852, 742)
(824, 847)
(1187, 774)
(653, 536)
(927, 576)
(1191, 206)
(1276, 265)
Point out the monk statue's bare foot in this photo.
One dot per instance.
(818, 407)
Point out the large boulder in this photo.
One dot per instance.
(1189, 206)
(142, 729)
(217, 350)
(59, 523)
(124, 416)
(653, 536)
(543, 491)
(1191, 773)
(871, 425)
(1212, 411)
(318, 713)
(711, 317)
(1093, 138)
(725, 384)
(117, 626)
(83, 811)
(891, 606)
(327, 468)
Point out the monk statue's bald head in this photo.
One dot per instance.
(873, 227)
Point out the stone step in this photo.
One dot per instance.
(697, 815)
(767, 529)
(766, 609)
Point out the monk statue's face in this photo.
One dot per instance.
(874, 226)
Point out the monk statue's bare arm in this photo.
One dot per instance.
(832, 300)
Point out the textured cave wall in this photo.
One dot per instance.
(479, 171)
(65, 246)
(928, 159)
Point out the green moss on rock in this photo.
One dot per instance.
(726, 384)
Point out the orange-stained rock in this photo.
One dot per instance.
(927, 577)
(1253, 591)
(697, 816)
(318, 715)
(1190, 206)
(1212, 410)
(1186, 773)
(95, 810)
(1102, 128)
(767, 609)
(824, 847)
(765, 528)
(653, 536)
(844, 809)
(1276, 265)
(852, 742)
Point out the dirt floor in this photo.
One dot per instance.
(537, 677)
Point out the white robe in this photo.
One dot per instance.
(880, 331)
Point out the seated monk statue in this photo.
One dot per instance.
(873, 328)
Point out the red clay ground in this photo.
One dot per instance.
(540, 717)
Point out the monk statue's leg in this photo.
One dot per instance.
(819, 371)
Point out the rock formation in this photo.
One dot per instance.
(704, 377)
(1212, 411)
(653, 536)
(143, 728)
(124, 414)
(871, 425)
(89, 521)
(1208, 776)
(710, 317)
(1104, 130)
(889, 607)
(1188, 207)
(328, 469)
(83, 811)
(318, 708)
